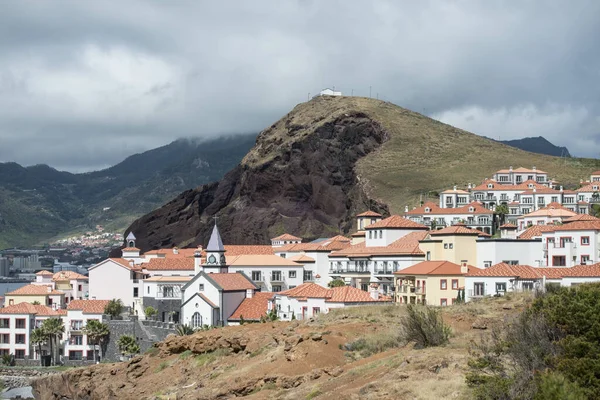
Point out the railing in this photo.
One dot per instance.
(277, 278)
(478, 293)
(349, 271)
(384, 271)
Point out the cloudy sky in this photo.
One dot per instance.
(83, 84)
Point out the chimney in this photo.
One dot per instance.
(249, 293)
(131, 263)
(464, 268)
(48, 289)
(198, 260)
(469, 186)
(534, 190)
(510, 169)
(175, 250)
(405, 209)
(455, 188)
(374, 289)
(561, 188)
(533, 168)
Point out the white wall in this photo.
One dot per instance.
(110, 280)
(497, 250)
(372, 237)
(13, 331)
(266, 275)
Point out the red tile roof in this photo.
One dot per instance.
(44, 273)
(306, 290)
(68, 275)
(88, 306)
(508, 225)
(396, 222)
(508, 186)
(503, 269)
(434, 209)
(253, 308)
(434, 268)
(232, 281)
(302, 258)
(458, 229)
(580, 217)
(551, 210)
(261, 260)
(584, 271)
(286, 236)
(369, 214)
(34, 290)
(324, 245)
(206, 299)
(344, 294)
(535, 231)
(238, 250)
(126, 263)
(589, 188)
(28, 308)
(406, 245)
(130, 249)
(169, 264)
(579, 226)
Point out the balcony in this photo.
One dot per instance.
(277, 278)
(384, 271)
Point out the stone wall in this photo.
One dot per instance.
(164, 307)
(21, 377)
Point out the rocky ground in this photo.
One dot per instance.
(317, 359)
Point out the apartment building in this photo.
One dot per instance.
(473, 215)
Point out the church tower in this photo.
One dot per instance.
(215, 253)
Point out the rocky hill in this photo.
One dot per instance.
(352, 353)
(314, 169)
(538, 145)
(39, 202)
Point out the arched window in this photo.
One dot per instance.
(196, 320)
(131, 243)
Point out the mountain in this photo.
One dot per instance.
(39, 202)
(538, 145)
(332, 157)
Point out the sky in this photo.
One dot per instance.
(84, 84)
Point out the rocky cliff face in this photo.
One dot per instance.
(299, 178)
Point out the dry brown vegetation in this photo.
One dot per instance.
(298, 360)
(422, 155)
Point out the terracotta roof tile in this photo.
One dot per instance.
(580, 217)
(44, 273)
(261, 260)
(169, 279)
(434, 209)
(232, 281)
(323, 245)
(434, 268)
(508, 225)
(68, 275)
(396, 222)
(306, 290)
(369, 214)
(535, 231)
(579, 226)
(206, 299)
(551, 210)
(286, 236)
(126, 263)
(253, 308)
(583, 271)
(32, 290)
(88, 306)
(349, 294)
(503, 269)
(344, 294)
(302, 258)
(28, 308)
(406, 245)
(458, 229)
(169, 264)
(130, 249)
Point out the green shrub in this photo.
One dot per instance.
(336, 283)
(554, 386)
(162, 366)
(424, 326)
(374, 344)
(150, 312)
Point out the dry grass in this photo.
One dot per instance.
(422, 154)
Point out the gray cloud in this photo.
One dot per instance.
(84, 84)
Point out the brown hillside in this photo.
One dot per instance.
(295, 360)
(329, 158)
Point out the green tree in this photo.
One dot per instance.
(97, 333)
(336, 283)
(184, 330)
(150, 312)
(114, 308)
(501, 211)
(37, 338)
(36, 303)
(54, 328)
(127, 345)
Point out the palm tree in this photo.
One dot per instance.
(114, 308)
(128, 345)
(38, 337)
(54, 328)
(184, 330)
(96, 332)
(502, 211)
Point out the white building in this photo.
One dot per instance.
(474, 215)
(329, 92)
(75, 342)
(510, 251)
(520, 175)
(572, 243)
(74, 285)
(270, 272)
(115, 278)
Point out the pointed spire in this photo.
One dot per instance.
(215, 243)
(131, 236)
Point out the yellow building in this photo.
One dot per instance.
(456, 243)
(43, 294)
(435, 283)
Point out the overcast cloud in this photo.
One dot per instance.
(83, 84)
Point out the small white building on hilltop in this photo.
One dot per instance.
(329, 92)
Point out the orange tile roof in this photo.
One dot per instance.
(88, 306)
(231, 281)
(338, 238)
(169, 279)
(125, 263)
(261, 260)
(579, 226)
(508, 225)
(396, 222)
(324, 245)
(521, 170)
(434, 268)
(286, 236)
(508, 186)
(349, 294)
(240, 250)
(551, 210)
(359, 234)
(206, 299)
(436, 210)
(130, 249)
(520, 271)
(580, 217)
(369, 214)
(535, 231)
(169, 264)
(589, 188)
(406, 245)
(68, 275)
(173, 253)
(34, 290)
(28, 308)
(44, 273)
(458, 229)
(302, 258)
(306, 290)
(253, 308)
(592, 270)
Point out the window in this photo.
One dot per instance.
(478, 289)
(76, 355)
(454, 284)
(380, 234)
(5, 338)
(4, 323)
(428, 256)
(20, 338)
(511, 262)
(308, 276)
(527, 285)
(443, 302)
(450, 245)
(585, 259)
(201, 287)
(20, 323)
(559, 261)
(148, 290)
(76, 325)
(76, 340)
(136, 292)
(19, 354)
(500, 287)
(443, 284)
(487, 264)
(283, 255)
(256, 276)
(585, 240)
(196, 320)
(276, 288)
(446, 246)
(316, 310)
(168, 291)
(276, 276)
(292, 274)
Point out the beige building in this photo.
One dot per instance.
(435, 283)
(43, 294)
(456, 244)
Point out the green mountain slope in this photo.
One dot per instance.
(39, 202)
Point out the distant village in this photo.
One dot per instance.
(517, 231)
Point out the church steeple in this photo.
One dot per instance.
(215, 253)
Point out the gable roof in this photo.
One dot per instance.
(396, 222)
(303, 258)
(68, 275)
(287, 236)
(252, 308)
(580, 217)
(327, 245)
(535, 231)
(519, 271)
(169, 279)
(215, 243)
(508, 186)
(34, 290)
(458, 229)
(508, 225)
(343, 294)
(44, 273)
(230, 281)
(260, 260)
(169, 264)
(433, 268)
(551, 210)
(32, 309)
(369, 214)
(406, 245)
(119, 261)
(434, 209)
(88, 306)
(578, 226)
